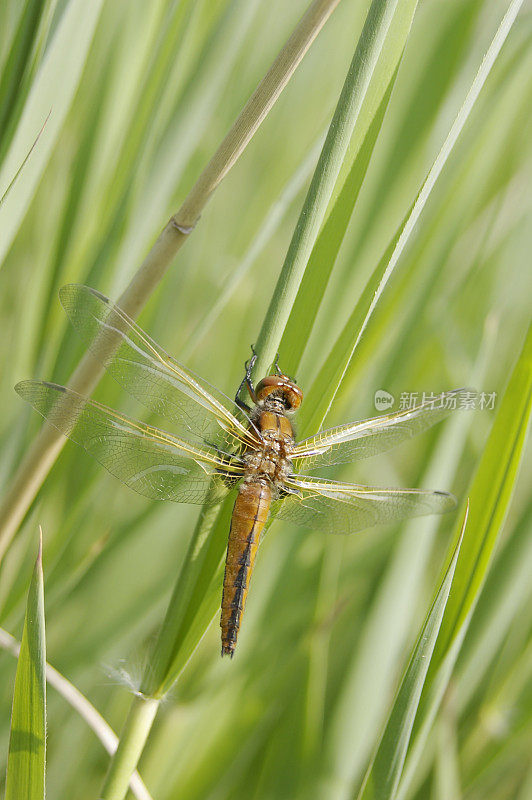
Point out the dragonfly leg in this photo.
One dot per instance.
(247, 382)
(286, 492)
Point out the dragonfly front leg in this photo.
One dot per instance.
(247, 382)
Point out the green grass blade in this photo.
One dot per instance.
(383, 776)
(489, 497)
(372, 107)
(52, 90)
(506, 591)
(195, 600)
(15, 69)
(494, 480)
(132, 741)
(330, 164)
(27, 742)
(438, 70)
(80, 704)
(334, 367)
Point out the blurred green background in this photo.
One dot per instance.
(142, 99)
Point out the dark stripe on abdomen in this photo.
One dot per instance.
(249, 516)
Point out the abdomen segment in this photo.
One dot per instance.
(249, 516)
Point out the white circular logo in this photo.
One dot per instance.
(383, 400)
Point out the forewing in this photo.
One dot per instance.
(358, 440)
(149, 374)
(346, 508)
(150, 461)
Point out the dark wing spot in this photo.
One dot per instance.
(55, 386)
(98, 294)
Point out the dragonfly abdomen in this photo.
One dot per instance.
(249, 516)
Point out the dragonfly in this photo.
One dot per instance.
(220, 445)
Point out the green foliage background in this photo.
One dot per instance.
(330, 623)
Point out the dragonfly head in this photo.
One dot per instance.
(280, 387)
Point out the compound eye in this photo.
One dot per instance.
(282, 386)
(294, 396)
(267, 385)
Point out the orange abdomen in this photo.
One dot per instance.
(249, 516)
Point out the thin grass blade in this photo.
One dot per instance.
(27, 743)
(372, 105)
(330, 164)
(490, 496)
(495, 479)
(384, 773)
(26, 157)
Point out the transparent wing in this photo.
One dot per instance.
(147, 459)
(345, 508)
(149, 374)
(371, 436)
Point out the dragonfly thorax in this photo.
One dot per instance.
(270, 458)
